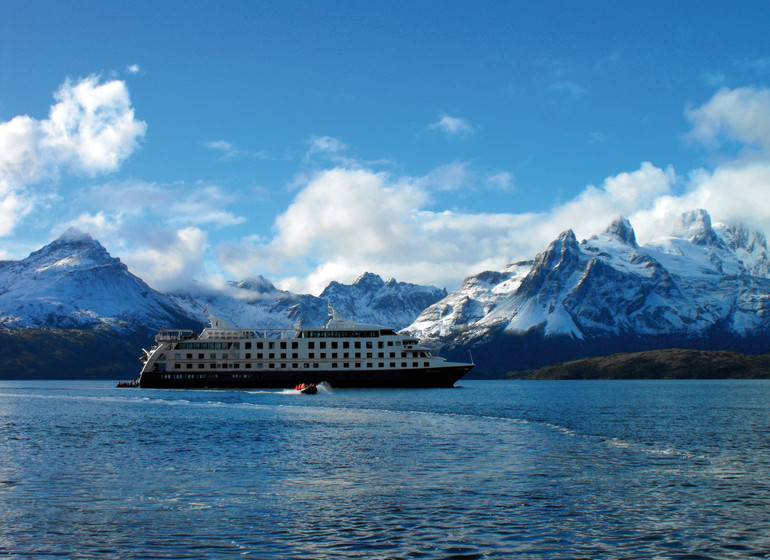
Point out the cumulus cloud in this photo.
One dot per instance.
(90, 130)
(347, 221)
(739, 115)
(452, 126)
(170, 259)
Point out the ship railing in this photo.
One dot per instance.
(165, 335)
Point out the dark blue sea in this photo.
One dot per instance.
(494, 469)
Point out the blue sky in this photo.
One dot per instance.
(426, 141)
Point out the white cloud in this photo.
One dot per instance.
(92, 127)
(452, 126)
(228, 150)
(133, 69)
(327, 147)
(90, 130)
(741, 115)
(168, 259)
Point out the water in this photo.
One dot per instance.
(606, 469)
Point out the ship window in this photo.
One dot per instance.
(346, 344)
(248, 355)
(311, 355)
(200, 356)
(315, 364)
(346, 354)
(294, 345)
(322, 344)
(283, 355)
(295, 365)
(177, 356)
(248, 365)
(390, 343)
(271, 356)
(307, 365)
(323, 355)
(334, 365)
(369, 364)
(177, 366)
(260, 356)
(260, 366)
(358, 364)
(426, 364)
(189, 356)
(380, 344)
(415, 364)
(334, 355)
(224, 366)
(271, 365)
(200, 366)
(237, 366)
(224, 356)
(398, 343)
(380, 364)
(271, 345)
(368, 354)
(392, 355)
(260, 346)
(334, 344)
(380, 354)
(357, 344)
(283, 366)
(283, 346)
(368, 343)
(403, 364)
(392, 364)
(311, 345)
(294, 355)
(358, 354)
(247, 345)
(237, 345)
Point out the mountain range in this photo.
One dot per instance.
(72, 310)
(702, 286)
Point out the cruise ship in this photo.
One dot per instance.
(343, 354)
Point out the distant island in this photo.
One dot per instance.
(671, 363)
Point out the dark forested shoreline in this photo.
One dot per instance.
(671, 363)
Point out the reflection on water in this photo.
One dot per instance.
(492, 470)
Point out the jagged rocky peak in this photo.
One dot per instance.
(369, 280)
(258, 284)
(695, 226)
(72, 248)
(738, 235)
(621, 230)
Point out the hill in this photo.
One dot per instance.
(673, 363)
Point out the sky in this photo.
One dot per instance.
(206, 142)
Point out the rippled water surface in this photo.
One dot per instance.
(495, 469)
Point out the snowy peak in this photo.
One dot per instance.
(695, 227)
(749, 245)
(71, 251)
(258, 284)
(620, 230)
(369, 281)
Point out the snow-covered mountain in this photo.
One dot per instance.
(72, 310)
(74, 283)
(700, 286)
(257, 302)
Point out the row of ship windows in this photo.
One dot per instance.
(271, 345)
(295, 356)
(295, 365)
(250, 376)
